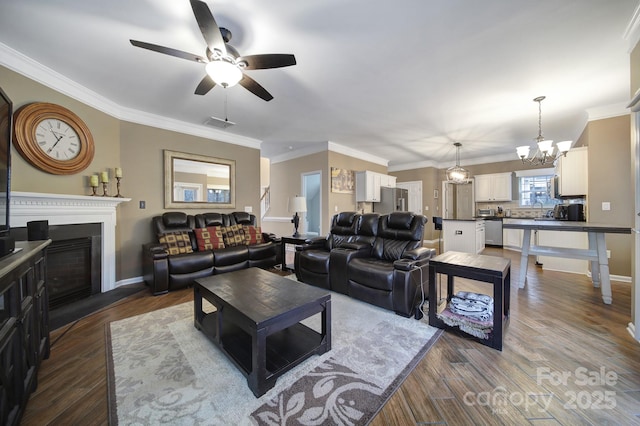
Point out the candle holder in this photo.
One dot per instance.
(104, 189)
(118, 187)
(95, 189)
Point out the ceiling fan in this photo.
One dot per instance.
(224, 65)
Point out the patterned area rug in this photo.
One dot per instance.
(161, 370)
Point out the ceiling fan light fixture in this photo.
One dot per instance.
(224, 73)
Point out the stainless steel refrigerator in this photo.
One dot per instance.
(392, 200)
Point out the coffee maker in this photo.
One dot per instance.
(575, 212)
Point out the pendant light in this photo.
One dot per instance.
(457, 174)
(544, 153)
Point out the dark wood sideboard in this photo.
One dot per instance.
(24, 326)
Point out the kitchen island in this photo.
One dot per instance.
(596, 253)
(463, 235)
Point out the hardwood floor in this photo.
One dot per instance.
(568, 359)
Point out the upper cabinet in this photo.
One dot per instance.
(368, 185)
(573, 173)
(493, 187)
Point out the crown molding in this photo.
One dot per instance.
(607, 111)
(632, 32)
(23, 65)
(341, 149)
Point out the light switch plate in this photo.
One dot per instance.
(248, 209)
(606, 205)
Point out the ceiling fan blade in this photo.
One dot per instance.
(253, 86)
(274, 60)
(208, 26)
(169, 51)
(205, 85)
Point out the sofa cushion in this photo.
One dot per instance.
(209, 238)
(252, 234)
(371, 272)
(233, 235)
(176, 242)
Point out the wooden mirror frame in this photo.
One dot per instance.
(169, 183)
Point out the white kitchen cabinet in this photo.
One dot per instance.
(368, 185)
(572, 171)
(493, 187)
(466, 236)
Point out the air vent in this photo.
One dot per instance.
(219, 123)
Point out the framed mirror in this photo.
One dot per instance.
(193, 181)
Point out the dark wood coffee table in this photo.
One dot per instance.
(257, 322)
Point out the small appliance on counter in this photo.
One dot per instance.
(560, 212)
(486, 213)
(575, 212)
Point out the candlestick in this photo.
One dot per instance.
(118, 186)
(104, 189)
(118, 172)
(93, 183)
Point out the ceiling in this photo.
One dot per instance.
(393, 82)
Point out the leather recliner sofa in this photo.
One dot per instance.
(164, 272)
(382, 264)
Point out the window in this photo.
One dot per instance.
(536, 189)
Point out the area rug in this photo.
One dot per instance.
(161, 370)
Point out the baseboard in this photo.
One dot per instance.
(618, 278)
(128, 281)
(631, 328)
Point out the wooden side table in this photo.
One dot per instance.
(489, 269)
(295, 240)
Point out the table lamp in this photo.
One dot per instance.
(297, 205)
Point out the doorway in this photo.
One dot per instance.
(311, 190)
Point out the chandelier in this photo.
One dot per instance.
(457, 174)
(544, 153)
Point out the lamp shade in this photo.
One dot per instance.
(297, 204)
(224, 73)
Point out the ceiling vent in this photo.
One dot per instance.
(219, 123)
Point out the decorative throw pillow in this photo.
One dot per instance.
(176, 242)
(252, 234)
(233, 235)
(209, 238)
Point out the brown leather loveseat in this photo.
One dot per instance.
(191, 247)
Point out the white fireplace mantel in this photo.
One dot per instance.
(61, 209)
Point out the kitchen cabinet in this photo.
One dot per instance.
(368, 185)
(465, 236)
(493, 187)
(573, 174)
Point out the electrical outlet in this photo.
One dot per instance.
(143, 204)
(248, 209)
(606, 205)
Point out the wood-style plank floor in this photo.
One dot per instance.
(568, 359)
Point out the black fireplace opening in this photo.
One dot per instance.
(74, 260)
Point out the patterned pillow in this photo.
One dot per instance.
(233, 235)
(209, 238)
(252, 235)
(176, 242)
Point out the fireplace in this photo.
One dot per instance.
(80, 213)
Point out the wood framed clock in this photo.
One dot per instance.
(52, 138)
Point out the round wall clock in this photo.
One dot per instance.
(52, 138)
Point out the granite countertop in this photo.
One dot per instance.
(564, 225)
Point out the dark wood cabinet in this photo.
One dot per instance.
(24, 329)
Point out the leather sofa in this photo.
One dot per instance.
(377, 259)
(164, 272)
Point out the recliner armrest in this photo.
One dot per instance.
(415, 258)
(313, 244)
(154, 250)
(355, 246)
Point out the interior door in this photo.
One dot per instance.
(312, 192)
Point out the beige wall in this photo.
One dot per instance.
(138, 149)
(286, 181)
(609, 180)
